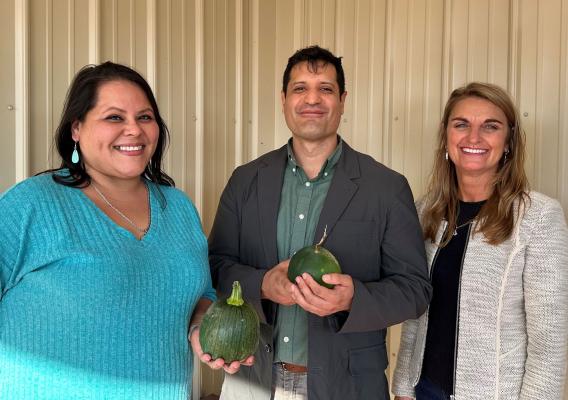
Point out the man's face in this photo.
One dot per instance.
(312, 105)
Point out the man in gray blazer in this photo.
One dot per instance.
(317, 342)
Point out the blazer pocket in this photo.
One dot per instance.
(368, 360)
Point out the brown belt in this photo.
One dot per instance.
(293, 367)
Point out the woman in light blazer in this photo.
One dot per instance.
(498, 256)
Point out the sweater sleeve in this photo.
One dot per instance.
(546, 305)
(402, 385)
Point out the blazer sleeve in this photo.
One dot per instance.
(403, 290)
(545, 283)
(224, 249)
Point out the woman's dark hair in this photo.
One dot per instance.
(315, 56)
(81, 98)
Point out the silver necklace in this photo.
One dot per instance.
(461, 226)
(142, 231)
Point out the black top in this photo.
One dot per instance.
(440, 351)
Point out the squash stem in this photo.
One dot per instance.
(323, 237)
(236, 298)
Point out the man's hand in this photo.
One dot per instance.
(276, 286)
(320, 300)
(403, 398)
(219, 362)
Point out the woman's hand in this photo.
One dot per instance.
(403, 398)
(218, 363)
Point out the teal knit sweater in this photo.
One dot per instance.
(86, 310)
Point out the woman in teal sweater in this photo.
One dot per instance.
(103, 264)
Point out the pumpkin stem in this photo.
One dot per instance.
(323, 237)
(236, 298)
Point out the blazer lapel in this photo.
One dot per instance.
(270, 177)
(340, 193)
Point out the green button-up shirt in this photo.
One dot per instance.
(301, 202)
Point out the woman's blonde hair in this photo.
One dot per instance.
(510, 186)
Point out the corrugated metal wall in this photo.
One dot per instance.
(216, 67)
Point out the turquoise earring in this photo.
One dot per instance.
(75, 155)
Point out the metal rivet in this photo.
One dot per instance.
(10, 107)
(525, 114)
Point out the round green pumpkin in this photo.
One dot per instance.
(230, 328)
(316, 261)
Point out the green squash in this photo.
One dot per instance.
(316, 260)
(230, 328)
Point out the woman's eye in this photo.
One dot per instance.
(491, 127)
(146, 117)
(327, 89)
(460, 125)
(298, 89)
(114, 117)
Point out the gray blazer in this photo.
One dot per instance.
(374, 233)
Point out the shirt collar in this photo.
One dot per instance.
(328, 165)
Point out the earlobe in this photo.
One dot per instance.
(283, 99)
(75, 131)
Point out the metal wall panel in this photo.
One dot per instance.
(216, 67)
(7, 96)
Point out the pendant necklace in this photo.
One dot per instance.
(461, 226)
(121, 214)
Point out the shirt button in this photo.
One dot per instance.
(293, 169)
(267, 348)
(286, 339)
(301, 216)
(308, 184)
(325, 174)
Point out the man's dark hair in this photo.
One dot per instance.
(316, 57)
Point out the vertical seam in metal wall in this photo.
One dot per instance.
(254, 78)
(21, 76)
(94, 31)
(489, 71)
(446, 53)
(70, 40)
(562, 122)
(238, 83)
(513, 78)
(48, 77)
(199, 147)
(298, 23)
(355, 75)
(371, 103)
(132, 34)
(114, 30)
(184, 129)
(338, 25)
(425, 90)
(387, 89)
(469, 54)
(169, 65)
(199, 95)
(151, 38)
(333, 46)
(538, 101)
(408, 82)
